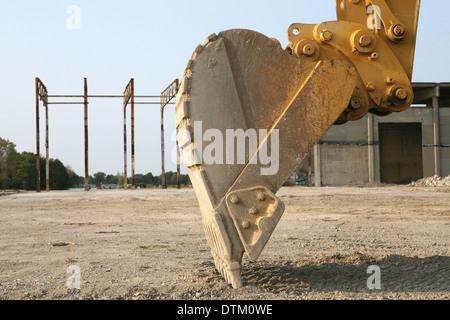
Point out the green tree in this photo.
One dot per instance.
(74, 179)
(171, 178)
(184, 179)
(8, 162)
(110, 179)
(99, 178)
(149, 179)
(59, 179)
(119, 176)
(24, 176)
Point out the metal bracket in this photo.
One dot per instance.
(255, 213)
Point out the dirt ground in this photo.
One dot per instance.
(149, 244)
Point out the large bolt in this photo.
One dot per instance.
(245, 224)
(401, 94)
(253, 210)
(398, 96)
(234, 199)
(365, 40)
(371, 86)
(356, 103)
(262, 196)
(326, 35)
(398, 30)
(308, 50)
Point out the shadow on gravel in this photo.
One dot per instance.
(348, 273)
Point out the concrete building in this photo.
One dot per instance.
(398, 148)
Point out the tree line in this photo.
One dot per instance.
(144, 181)
(18, 171)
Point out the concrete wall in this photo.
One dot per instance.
(344, 165)
(349, 154)
(444, 135)
(344, 154)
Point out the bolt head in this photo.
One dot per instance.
(262, 196)
(365, 40)
(356, 102)
(253, 210)
(308, 50)
(326, 35)
(234, 199)
(371, 86)
(245, 224)
(401, 94)
(399, 30)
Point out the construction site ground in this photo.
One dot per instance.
(150, 244)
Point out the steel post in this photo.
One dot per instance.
(163, 171)
(436, 133)
(168, 94)
(178, 165)
(47, 153)
(132, 134)
(38, 160)
(86, 141)
(309, 169)
(125, 179)
(370, 147)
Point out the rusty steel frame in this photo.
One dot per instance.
(166, 96)
(128, 97)
(86, 138)
(47, 153)
(41, 94)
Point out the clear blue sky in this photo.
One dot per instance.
(150, 41)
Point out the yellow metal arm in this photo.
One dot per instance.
(378, 37)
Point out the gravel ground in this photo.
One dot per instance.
(149, 244)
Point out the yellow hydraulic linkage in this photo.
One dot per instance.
(249, 111)
(378, 37)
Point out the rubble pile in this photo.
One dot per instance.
(434, 181)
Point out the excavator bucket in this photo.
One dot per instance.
(247, 113)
